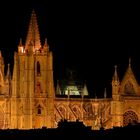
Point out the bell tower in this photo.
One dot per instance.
(33, 89)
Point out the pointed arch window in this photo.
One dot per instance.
(39, 110)
(38, 69)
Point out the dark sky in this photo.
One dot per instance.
(86, 36)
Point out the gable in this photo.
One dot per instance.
(129, 88)
(129, 85)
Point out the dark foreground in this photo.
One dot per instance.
(72, 130)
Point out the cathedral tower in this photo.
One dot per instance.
(33, 89)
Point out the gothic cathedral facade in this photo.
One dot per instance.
(29, 100)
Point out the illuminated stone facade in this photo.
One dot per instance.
(29, 100)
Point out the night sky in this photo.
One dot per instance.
(88, 37)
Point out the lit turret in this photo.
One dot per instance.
(46, 47)
(115, 84)
(20, 47)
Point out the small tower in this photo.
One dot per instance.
(85, 90)
(116, 103)
(115, 85)
(45, 47)
(20, 47)
(105, 93)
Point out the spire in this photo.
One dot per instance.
(33, 33)
(85, 91)
(115, 77)
(20, 46)
(46, 42)
(129, 62)
(129, 69)
(8, 72)
(46, 47)
(1, 78)
(105, 93)
(20, 42)
(58, 91)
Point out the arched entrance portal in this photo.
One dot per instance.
(1, 118)
(130, 117)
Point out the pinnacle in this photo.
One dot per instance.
(33, 33)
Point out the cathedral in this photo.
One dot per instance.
(29, 100)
